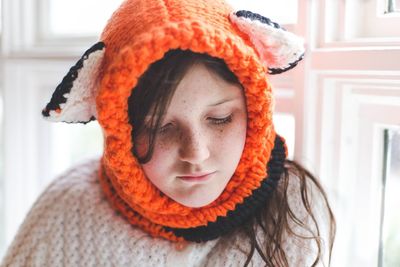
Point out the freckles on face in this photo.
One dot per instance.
(203, 132)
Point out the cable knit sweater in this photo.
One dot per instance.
(71, 224)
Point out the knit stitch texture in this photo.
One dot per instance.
(71, 224)
(138, 34)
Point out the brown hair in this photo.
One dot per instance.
(152, 96)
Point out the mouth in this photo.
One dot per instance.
(196, 177)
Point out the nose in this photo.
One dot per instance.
(194, 147)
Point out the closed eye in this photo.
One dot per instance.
(215, 121)
(219, 121)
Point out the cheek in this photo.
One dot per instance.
(238, 128)
(160, 163)
(142, 145)
(229, 141)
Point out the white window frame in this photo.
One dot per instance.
(336, 27)
(23, 37)
(333, 139)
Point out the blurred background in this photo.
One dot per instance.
(339, 109)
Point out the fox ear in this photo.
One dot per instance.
(279, 49)
(74, 98)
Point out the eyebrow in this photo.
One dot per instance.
(223, 101)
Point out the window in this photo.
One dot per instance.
(285, 127)
(1, 17)
(58, 21)
(390, 217)
(393, 6)
(358, 23)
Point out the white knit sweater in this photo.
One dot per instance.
(72, 224)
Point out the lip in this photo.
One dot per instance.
(197, 177)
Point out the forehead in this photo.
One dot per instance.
(201, 85)
(202, 89)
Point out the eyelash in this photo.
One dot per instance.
(222, 120)
(215, 121)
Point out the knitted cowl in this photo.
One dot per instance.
(139, 33)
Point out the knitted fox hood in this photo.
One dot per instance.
(139, 33)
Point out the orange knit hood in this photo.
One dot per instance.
(139, 33)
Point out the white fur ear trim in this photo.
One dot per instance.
(74, 99)
(279, 49)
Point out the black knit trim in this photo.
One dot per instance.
(93, 118)
(67, 82)
(243, 211)
(254, 16)
(291, 66)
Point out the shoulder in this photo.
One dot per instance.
(73, 188)
(76, 187)
(72, 224)
(299, 251)
(60, 219)
(68, 190)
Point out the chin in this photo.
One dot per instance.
(199, 202)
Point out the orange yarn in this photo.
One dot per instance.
(139, 33)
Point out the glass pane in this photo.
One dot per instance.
(2, 210)
(282, 12)
(89, 16)
(393, 6)
(1, 16)
(391, 199)
(285, 127)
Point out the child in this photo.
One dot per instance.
(193, 173)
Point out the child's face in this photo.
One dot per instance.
(197, 136)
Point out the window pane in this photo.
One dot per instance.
(285, 127)
(2, 198)
(391, 200)
(393, 6)
(1, 17)
(79, 17)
